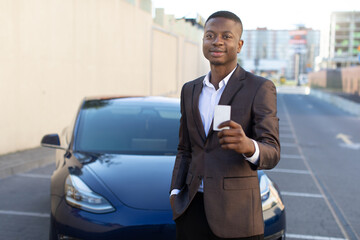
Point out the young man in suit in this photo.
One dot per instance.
(214, 189)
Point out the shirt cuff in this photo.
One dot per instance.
(254, 159)
(174, 191)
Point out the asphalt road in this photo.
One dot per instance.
(25, 205)
(318, 176)
(318, 173)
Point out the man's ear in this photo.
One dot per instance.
(240, 44)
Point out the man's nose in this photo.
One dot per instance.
(217, 40)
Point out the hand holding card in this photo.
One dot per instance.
(221, 114)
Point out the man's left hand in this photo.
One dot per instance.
(235, 139)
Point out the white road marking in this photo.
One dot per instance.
(300, 236)
(281, 170)
(345, 138)
(291, 156)
(351, 146)
(33, 175)
(347, 142)
(27, 214)
(298, 194)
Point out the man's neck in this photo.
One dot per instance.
(218, 73)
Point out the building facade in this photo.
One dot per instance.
(85, 48)
(280, 52)
(344, 42)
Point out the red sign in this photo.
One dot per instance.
(298, 37)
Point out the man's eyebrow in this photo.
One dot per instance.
(226, 31)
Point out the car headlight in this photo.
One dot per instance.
(79, 195)
(264, 187)
(269, 195)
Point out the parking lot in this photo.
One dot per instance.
(305, 202)
(317, 177)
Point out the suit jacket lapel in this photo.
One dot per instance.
(234, 85)
(195, 108)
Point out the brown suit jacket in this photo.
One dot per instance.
(231, 187)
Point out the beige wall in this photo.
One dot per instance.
(54, 53)
(351, 80)
(348, 78)
(317, 79)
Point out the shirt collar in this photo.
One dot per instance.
(206, 81)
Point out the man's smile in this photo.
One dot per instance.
(217, 53)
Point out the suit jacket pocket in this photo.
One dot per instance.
(240, 183)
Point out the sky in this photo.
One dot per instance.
(273, 14)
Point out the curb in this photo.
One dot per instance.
(346, 105)
(22, 161)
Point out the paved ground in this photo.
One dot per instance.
(351, 97)
(318, 168)
(24, 211)
(22, 161)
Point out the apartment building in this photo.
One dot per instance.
(280, 52)
(344, 44)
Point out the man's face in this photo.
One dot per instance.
(221, 42)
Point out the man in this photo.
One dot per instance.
(214, 189)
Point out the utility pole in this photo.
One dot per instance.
(297, 68)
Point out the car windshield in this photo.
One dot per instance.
(128, 126)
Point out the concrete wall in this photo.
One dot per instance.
(346, 79)
(351, 80)
(317, 79)
(54, 53)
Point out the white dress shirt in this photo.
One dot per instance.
(209, 98)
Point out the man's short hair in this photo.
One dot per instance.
(225, 14)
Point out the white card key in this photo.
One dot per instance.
(221, 114)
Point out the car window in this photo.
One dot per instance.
(128, 128)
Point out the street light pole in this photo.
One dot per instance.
(297, 68)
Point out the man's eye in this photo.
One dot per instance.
(226, 36)
(209, 36)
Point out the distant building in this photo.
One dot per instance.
(280, 52)
(344, 44)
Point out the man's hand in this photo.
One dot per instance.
(235, 139)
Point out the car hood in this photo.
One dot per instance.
(138, 181)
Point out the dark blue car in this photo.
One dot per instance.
(113, 172)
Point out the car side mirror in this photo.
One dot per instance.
(51, 141)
